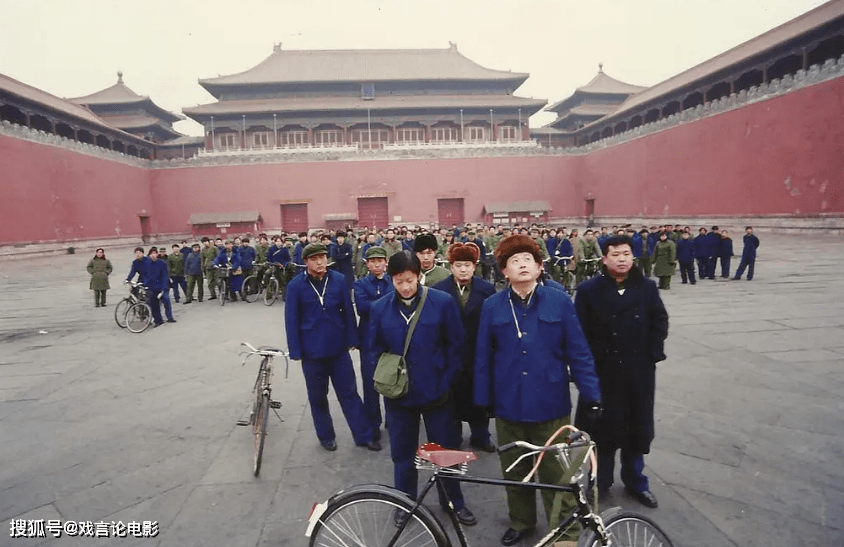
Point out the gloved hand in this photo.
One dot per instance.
(593, 411)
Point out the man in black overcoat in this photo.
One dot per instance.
(469, 293)
(625, 323)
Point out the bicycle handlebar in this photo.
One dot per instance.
(578, 438)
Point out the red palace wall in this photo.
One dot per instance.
(778, 156)
(412, 187)
(782, 155)
(50, 193)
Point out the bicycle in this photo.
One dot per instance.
(263, 397)
(138, 317)
(376, 514)
(137, 293)
(223, 273)
(567, 274)
(252, 287)
(272, 285)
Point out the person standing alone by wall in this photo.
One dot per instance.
(748, 254)
(100, 268)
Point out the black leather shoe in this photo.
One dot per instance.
(466, 517)
(646, 498)
(331, 446)
(376, 434)
(373, 446)
(513, 536)
(486, 447)
(171, 320)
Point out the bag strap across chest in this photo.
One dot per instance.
(415, 319)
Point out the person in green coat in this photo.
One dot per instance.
(100, 268)
(209, 253)
(664, 260)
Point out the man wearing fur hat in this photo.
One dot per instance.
(425, 246)
(469, 293)
(529, 340)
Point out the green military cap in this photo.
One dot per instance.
(376, 252)
(314, 249)
(471, 232)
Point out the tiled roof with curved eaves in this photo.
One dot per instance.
(348, 65)
(35, 95)
(121, 94)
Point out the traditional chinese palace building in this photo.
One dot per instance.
(363, 98)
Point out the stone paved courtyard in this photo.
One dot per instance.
(102, 425)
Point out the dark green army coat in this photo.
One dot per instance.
(208, 256)
(100, 269)
(664, 258)
(176, 264)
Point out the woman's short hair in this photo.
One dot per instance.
(403, 261)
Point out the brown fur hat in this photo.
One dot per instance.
(468, 252)
(515, 244)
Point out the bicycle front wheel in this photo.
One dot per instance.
(224, 293)
(259, 429)
(271, 293)
(251, 288)
(120, 312)
(626, 529)
(138, 317)
(367, 518)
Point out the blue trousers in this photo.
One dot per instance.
(632, 465)
(155, 305)
(341, 372)
(178, 281)
(404, 440)
(371, 398)
(725, 266)
(748, 263)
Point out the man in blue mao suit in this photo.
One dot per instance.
(321, 330)
(368, 289)
(529, 339)
(158, 281)
(433, 364)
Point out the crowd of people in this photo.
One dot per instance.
(471, 352)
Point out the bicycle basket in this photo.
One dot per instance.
(223, 272)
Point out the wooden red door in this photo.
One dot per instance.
(294, 217)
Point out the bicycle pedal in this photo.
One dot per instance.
(275, 404)
(243, 422)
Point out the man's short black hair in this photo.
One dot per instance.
(403, 261)
(139, 249)
(615, 241)
(204, 239)
(303, 234)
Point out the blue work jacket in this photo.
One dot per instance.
(526, 378)
(367, 290)
(433, 358)
(158, 275)
(247, 257)
(751, 242)
(224, 259)
(193, 264)
(140, 267)
(685, 250)
(278, 255)
(319, 330)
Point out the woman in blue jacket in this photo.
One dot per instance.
(433, 365)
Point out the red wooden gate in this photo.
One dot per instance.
(450, 211)
(372, 212)
(294, 217)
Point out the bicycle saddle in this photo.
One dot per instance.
(444, 457)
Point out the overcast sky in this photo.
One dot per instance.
(72, 48)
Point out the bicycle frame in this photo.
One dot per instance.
(583, 512)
